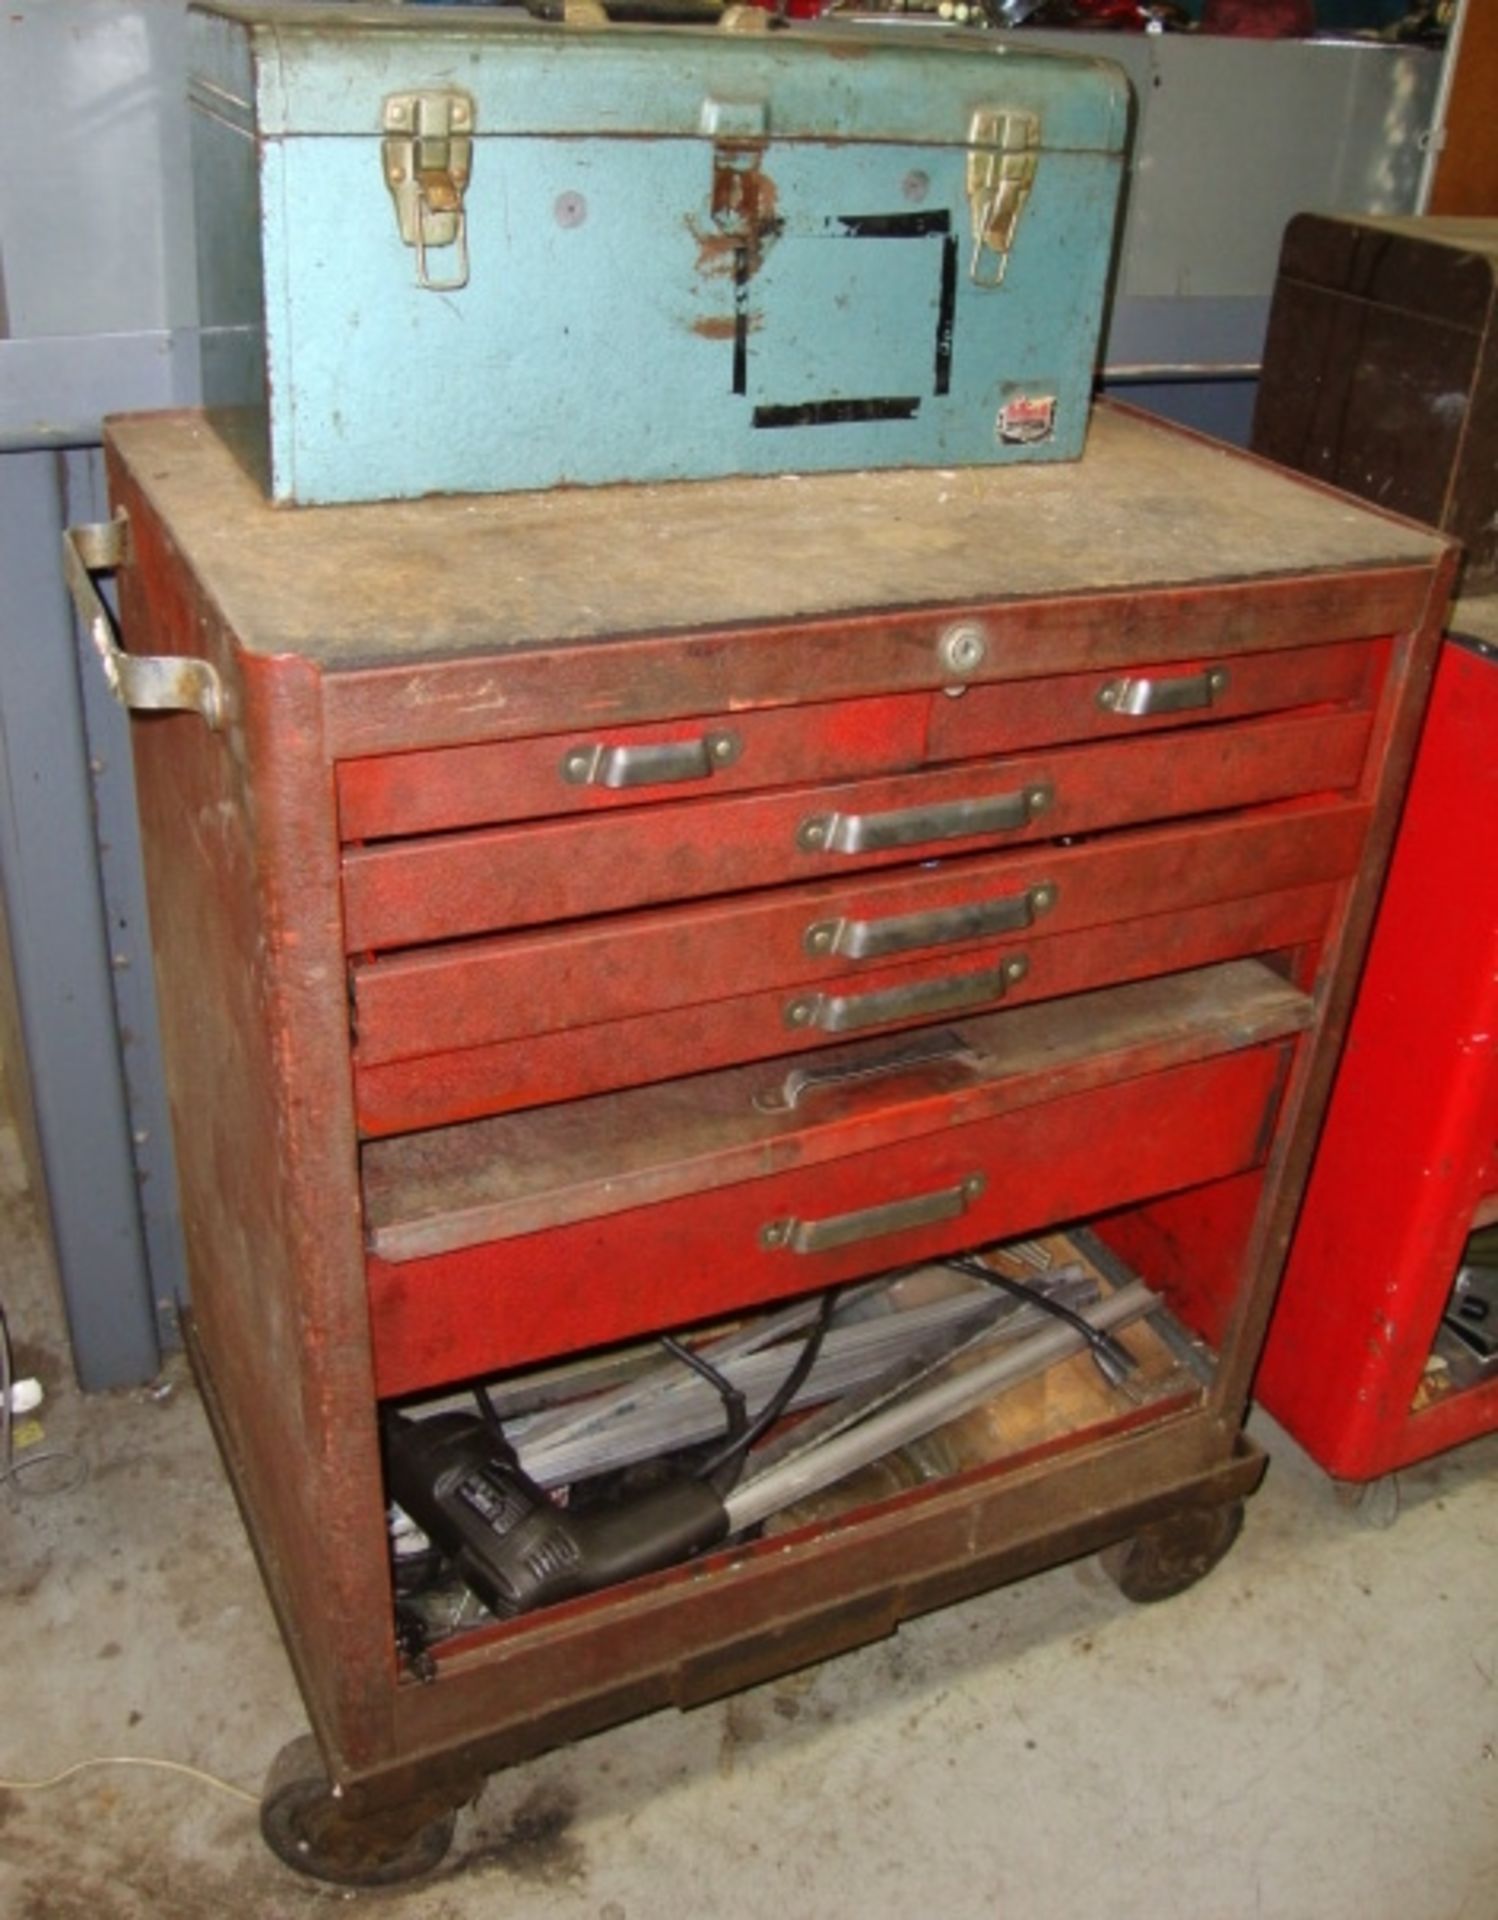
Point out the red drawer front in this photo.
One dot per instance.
(628, 1053)
(407, 1095)
(454, 1187)
(451, 998)
(1102, 706)
(392, 795)
(410, 892)
(405, 793)
(511, 1302)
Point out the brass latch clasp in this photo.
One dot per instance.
(427, 154)
(1003, 151)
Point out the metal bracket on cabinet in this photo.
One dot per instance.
(156, 683)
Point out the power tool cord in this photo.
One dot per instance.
(1113, 1359)
(735, 1407)
(724, 1467)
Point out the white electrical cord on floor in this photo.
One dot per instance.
(75, 1472)
(74, 1468)
(130, 1760)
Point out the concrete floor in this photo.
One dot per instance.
(1312, 1732)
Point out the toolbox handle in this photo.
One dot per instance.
(652, 764)
(871, 1223)
(173, 683)
(929, 1050)
(905, 932)
(1142, 696)
(914, 826)
(849, 1012)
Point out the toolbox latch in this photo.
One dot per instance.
(743, 199)
(428, 155)
(1003, 150)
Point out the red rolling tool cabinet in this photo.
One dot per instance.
(1356, 1365)
(1379, 375)
(543, 888)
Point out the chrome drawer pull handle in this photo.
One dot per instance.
(1136, 699)
(871, 1223)
(848, 1012)
(930, 1050)
(668, 760)
(143, 682)
(953, 820)
(867, 939)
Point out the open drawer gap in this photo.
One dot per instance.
(594, 1438)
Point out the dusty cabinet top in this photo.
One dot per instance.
(359, 585)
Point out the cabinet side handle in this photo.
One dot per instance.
(871, 1223)
(913, 826)
(1141, 697)
(600, 765)
(143, 682)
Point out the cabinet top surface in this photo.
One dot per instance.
(1145, 507)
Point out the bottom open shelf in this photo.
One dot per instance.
(581, 1432)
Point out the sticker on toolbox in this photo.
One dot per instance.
(1026, 419)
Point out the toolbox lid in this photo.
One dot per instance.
(324, 70)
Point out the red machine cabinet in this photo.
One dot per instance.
(1407, 1167)
(517, 857)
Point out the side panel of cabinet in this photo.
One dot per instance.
(241, 872)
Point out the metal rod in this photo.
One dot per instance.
(1141, 370)
(911, 1369)
(670, 1376)
(1193, 1354)
(853, 1380)
(1433, 142)
(756, 1498)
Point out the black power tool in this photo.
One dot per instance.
(462, 1484)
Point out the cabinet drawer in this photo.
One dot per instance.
(441, 887)
(409, 793)
(1018, 714)
(451, 998)
(825, 1208)
(395, 795)
(406, 1095)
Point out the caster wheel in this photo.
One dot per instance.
(309, 1828)
(1375, 1502)
(1167, 1558)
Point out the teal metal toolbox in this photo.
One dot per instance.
(447, 250)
